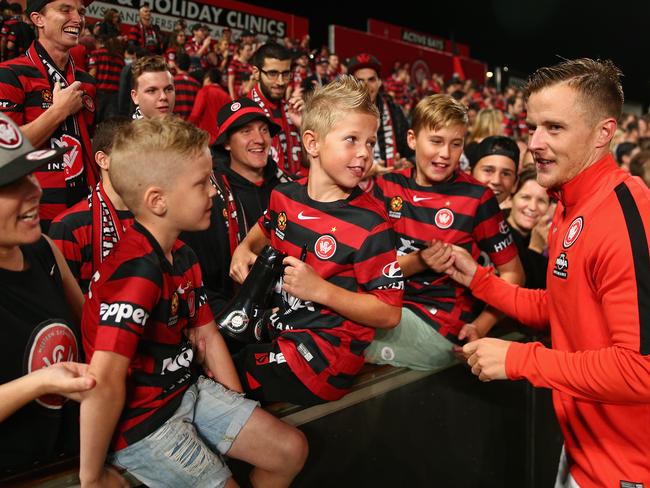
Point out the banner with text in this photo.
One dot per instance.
(397, 33)
(216, 14)
(423, 61)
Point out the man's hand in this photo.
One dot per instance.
(464, 266)
(68, 100)
(242, 260)
(487, 358)
(437, 256)
(109, 478)
(301, 281)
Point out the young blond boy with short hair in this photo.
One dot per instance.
(349, 281)
(167, 428)
(432, 206)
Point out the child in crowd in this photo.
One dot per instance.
(87, 232)
(347, 281)
(167, 427)
(432, 206)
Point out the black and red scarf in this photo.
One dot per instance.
(386, 135)
(287, 151)
(228, 209)
(107, 228)
(80, 170)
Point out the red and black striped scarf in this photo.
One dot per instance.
(79, 164)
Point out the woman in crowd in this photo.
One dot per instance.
(40, 309)
(530, 219)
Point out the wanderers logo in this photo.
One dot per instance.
(282, 221)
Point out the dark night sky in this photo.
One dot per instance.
(517, 33)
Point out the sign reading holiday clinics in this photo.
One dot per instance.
(216, 14)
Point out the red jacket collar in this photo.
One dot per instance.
(581, 186)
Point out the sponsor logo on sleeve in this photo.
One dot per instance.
(121, 312)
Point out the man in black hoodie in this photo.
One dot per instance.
(244, 176)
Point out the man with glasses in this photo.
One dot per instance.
(272, 73)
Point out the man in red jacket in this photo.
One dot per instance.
(597, 301)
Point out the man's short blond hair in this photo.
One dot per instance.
(597, 82)
(328, 105)
(152, 152)
(437, 112)
(147, 64)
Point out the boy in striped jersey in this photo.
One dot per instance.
(168, 428)
(433, 206)
(341, 279)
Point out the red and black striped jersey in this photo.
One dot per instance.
(148, 37)
(460, 211)
(242, 73)
(186, 89)
(19, 34)
(25, 93)
(72, 232)
(138, 306)
(349, 243)
(109, 67)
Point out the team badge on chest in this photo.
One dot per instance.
(325, 247)
(444, 218)
(573, 232)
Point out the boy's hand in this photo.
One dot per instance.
(463, 268)
(438, 256)
(242, 260)
(301, 281)
(109, 478)
(198, 347)
(468, 333)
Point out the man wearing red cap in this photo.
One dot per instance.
(391, 148)
(244, 175)
(54, 103)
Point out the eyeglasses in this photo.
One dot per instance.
(274, 74)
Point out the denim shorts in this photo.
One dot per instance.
(186, 450)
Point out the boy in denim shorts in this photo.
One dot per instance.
(146, 309)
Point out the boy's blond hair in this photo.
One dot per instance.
(152, 152)
(328, 105)
(437, 112)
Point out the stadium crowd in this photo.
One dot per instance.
(143, 173)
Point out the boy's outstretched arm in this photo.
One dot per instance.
(216, 358)
(100, 411)
(246, 253)
(301, 281)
